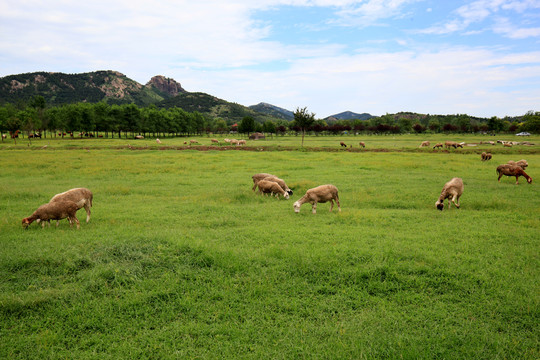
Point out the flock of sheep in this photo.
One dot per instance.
(66, 204)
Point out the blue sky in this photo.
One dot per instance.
(476, 57)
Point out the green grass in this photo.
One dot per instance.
(182, 260)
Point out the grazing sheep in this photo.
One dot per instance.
(264, 176)
(158, 141)
(521, 163)
(280, 182)
(453, 144)
(81, 196)
(488, 142)
(362, 144)
(452, 189)
(193, 142)
(272, 187)
(424, 143)
(54, 211)
(258, 177)
(507, 144)
(228, 141)
(319, 194)
(215, 141)
(241, 142)
(512, 170)
(138, 137)
(342, 144)
(438, 145)
(234, 142)
(486, 156)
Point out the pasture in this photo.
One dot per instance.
(182, 260)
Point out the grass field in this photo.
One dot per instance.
(182, 260)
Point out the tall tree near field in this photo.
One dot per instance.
(303, 119)
(247, 125)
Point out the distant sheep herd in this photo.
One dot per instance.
(66, 204)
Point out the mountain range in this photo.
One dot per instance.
(114, 87)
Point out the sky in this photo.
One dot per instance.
(475, 57)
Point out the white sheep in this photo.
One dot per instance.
(53, 211)
(158, 141)
(258, 177)
(424, 143)
(452, 189)
(81, 196)
(319, 194)
(272, 187)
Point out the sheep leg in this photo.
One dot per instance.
(500, 176)
(254, 186)
(338, 205)
(314, 208)
(331, 205)
(87, 208)
(517, 177)
(454, 199)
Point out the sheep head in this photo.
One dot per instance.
(440, 205)
(286, 195)
(26, 222)
(529, 180)
(290, 192)
(296, 207)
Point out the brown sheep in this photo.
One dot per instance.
(271, 187)
(342, 144)
(215, 141)
(438, 146)
(452, 189)
(264, 176)
(424, 143)
(53, 211)
(455, 145)
(486, 156)
(362, 144)
(521, 163)
(319, 194)
(512, 170)
(81, 196)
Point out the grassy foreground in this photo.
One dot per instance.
(182, 260)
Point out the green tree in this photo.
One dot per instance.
(247, 125)
(303, 119)
(269, 127)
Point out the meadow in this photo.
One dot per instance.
(182, 260)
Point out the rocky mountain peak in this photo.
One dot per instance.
(165, 85)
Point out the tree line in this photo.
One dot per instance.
(123, 120)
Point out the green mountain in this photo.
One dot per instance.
(116, 88)
(273, 111)
(110, 86)
(214, 107)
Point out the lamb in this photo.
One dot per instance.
(53, 211)
(438, 145)
(319, 194)
(512, 170)
(453, 144)
(521, 163)
(81, 196)
(452, 189)
(264, 176)
(424, 143)
(272, 187)
(342, 144)
(362, 144)
(486, 156)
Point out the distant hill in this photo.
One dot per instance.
(110, 86)
(273, 111)
(212, 106)
(349, 115)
